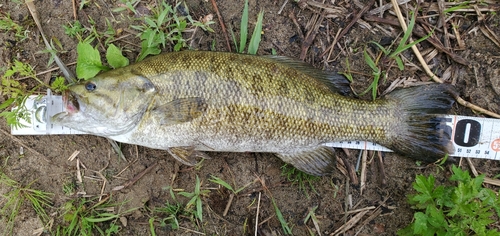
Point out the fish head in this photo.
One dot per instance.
(109, 104)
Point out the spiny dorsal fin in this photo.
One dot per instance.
(180, 110)
(336, 82)
(318, 161)
(187, 155)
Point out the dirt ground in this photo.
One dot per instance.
(384, 198)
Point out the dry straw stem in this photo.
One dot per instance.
(221, 22)
(257, 215)
(363, 171)
(485, 29)
(351, 223)
(70, 77)
(75, 17)
(347, 28)
(349, 168)
(434, 77)
(487, 180)
(135, 179)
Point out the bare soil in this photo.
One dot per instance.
(45, 159)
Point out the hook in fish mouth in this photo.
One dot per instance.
(71, 102)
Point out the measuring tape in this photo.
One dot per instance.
(474, 137)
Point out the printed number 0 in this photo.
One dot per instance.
(474, 132)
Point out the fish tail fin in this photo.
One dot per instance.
(422, 133)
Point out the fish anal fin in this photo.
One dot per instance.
(187, 155)
(180, 110)
(318, 161)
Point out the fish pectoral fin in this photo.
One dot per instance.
(180, 110)
(318, 161)
(187, 155)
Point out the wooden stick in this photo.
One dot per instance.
(257, 215)
(363, 171)
(464, 103)
(221, 22)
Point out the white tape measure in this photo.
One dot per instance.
(474, 137)
(42, 108)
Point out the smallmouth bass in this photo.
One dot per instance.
(193, 101)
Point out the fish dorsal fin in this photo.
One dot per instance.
(180, 110)
(318, 161)
(187, 155)
(336, 82)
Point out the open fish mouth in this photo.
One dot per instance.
(71, 102)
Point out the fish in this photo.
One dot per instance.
(193, 102)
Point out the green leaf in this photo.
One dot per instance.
(219, 181)
(199, 209)
(150, 22)
(115, 57)
(88, 62)
(7, 103)
(256, 35)
(459, 174)
(58, 84)
(420, 224)
(244, 28)
(436, 218)
(177, 47)
(400, 63)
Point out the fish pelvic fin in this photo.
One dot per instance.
(187, 155)
(422, 134)
(317, 161)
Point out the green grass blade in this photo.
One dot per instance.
(152, 227)
(234, 42)
(103, 217)
(380, 47)
(402, 47)
(284, 224)
(256, 36)
(407, 34)
(244, 28)
(219, 181)
(456, 8)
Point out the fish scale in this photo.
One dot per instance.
(193, 101)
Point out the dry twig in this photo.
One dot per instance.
(487, 180)
(221, 22)
(347, 28)
(135, 179)
(363, 171)
(257, 215)
(349, 224)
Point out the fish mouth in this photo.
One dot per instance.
(71, 102)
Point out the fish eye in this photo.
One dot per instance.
(90, 86)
